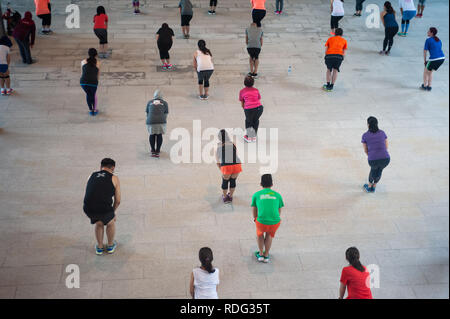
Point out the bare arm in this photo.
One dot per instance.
(279, 211)
(195, 61)
(331, 6)
(261, 41)
(157, 37)
(386, 143)
(424, 56)
(342, 291)
(191, 286)
(246, 38)
(117, 195)
(255, 213)
(365, 149)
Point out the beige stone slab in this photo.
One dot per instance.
(91, 290)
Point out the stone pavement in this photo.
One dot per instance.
(49, 146)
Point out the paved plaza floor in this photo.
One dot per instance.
(49, 146)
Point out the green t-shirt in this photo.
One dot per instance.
(268, 203)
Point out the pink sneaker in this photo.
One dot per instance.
(9, 91)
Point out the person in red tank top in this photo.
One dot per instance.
(355, 277)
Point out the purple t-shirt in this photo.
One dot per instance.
(376, 145)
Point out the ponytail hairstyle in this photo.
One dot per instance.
(388, 7)
(206, 257)
(373, 124)
(352, 256)
(223, 136)
(202, 46)
(92, 54)
(434, 31)
(101, 10)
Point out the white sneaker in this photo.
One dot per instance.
(3, 92)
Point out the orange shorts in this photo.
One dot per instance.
(261, 229)
(231, 169)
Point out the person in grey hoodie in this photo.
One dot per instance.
(157, 110)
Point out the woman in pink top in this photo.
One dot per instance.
(259, 11)
(250, 101)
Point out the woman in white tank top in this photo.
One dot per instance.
(337, 12)
(204, 67)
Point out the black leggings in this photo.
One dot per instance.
(155, 142)
(335, 22)
(258, 15)
(359, 5)
(389, 34)
(376, 168)
(252, 120)
(90, 96)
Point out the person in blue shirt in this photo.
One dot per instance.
(437, 57)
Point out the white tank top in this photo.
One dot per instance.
(204, 62)
(338, 8)
(205, 284)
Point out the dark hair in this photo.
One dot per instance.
(164, 26)
(339, 32)
(92, 54)
(249, 81)
(388, 7)
(206, 257)
(202, 46)
(434, 31)
(373, 124)
(4, 40)
(266, 180)
(100, 10)
(223, 136)
(352, 256)
(108, 162)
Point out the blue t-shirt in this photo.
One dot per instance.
(435, 48)
(376, 145)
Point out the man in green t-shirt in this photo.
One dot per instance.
(266, 213)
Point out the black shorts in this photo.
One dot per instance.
(213, 3)
(333, 61)
(254, 53)
(46, 18)
(203, 77)
(335, 21)
(102, 35)
(434, 65)
(105, 218)
(185, 19)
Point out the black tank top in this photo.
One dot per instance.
(227, 154)
(89, 75)
(99, 193)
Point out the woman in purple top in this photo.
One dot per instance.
(375, 146)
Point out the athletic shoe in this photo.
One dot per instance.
(332, 33)
(277, 12)
(280, 12)
(99, 251)
(210, 12)
(169, 66)
(111, 249)
(214, 12)
(95, 112)
(205, 97)
(9, 91)
(157, 154)
(401, 34)
(382, 52)
(3, 92)
(164, 67)
(247, 139)
(327, 88)
(154, 154)
(423, 87)
(187, 36)
(387, 53)
(250, 74)
(428, 88)
(91, 113)
(230, 199)
(259, 257)
(266, 259)
(255, 75)
(201, 97)
(225, 199)
(355, 14)
(253, 139)
(367, 188)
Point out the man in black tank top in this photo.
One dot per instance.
(99, 206)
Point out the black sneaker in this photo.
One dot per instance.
(423, 87)
(428, 88)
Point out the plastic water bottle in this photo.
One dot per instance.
(289, 70)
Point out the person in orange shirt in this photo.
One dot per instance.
(43, 11)
(334, 55)
(258, 12)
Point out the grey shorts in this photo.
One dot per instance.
(156, 128)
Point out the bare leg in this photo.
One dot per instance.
(256, 65)
(267, 244)
(261, 245)
(163, 61)
(206, 91)
(200, 90)
(8, 83)
(225, 191)
(233, 189)
(111, 232)
(328, 75)
(99, 232)
(2, 81)
(251, 64)
(334, 76)
(187, 30)
(425, 77)
(168, 61)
